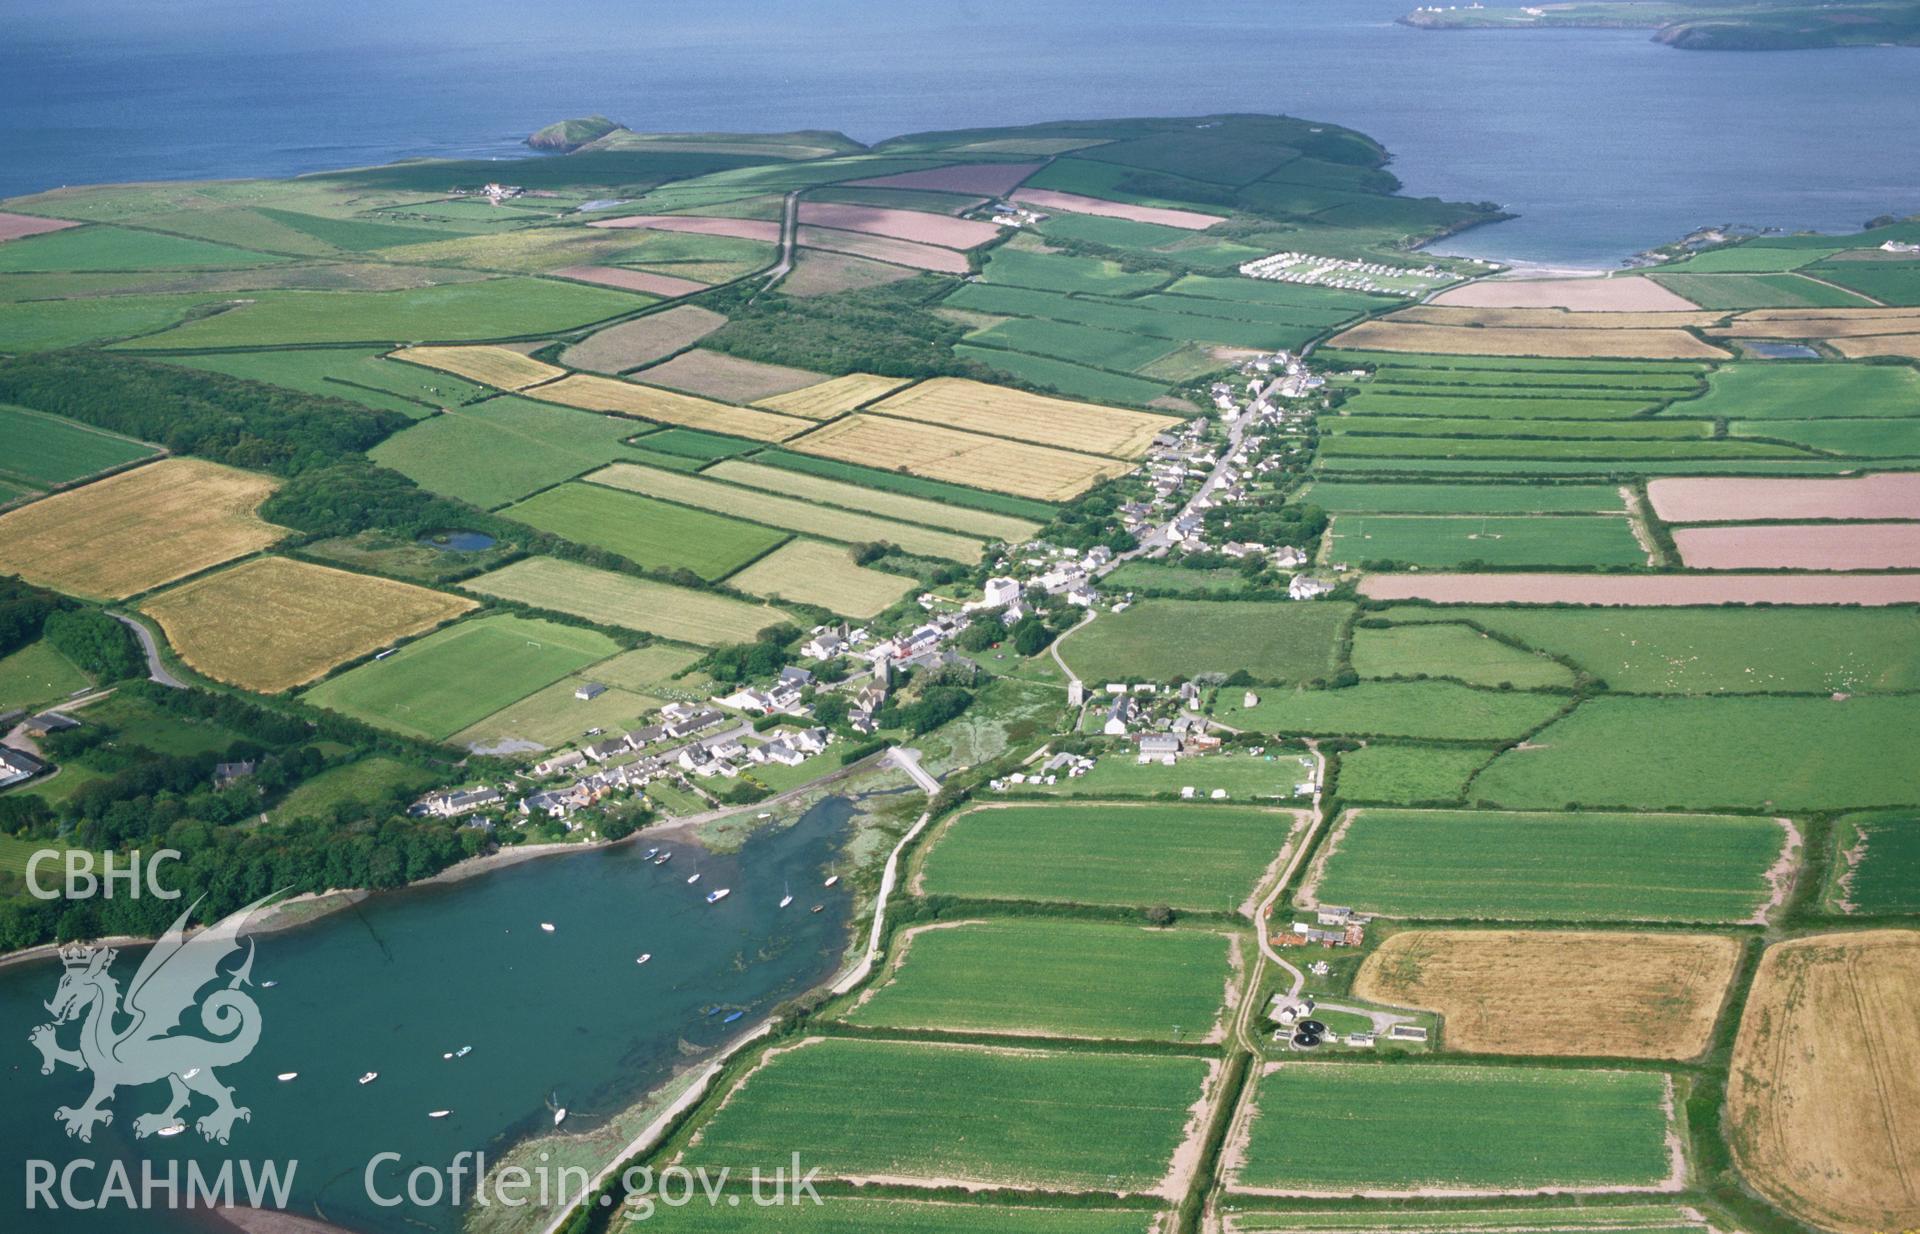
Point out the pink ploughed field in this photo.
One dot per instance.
(881, 248)
(987, 179)
(1717, 499)
(1651, 590)
(914, 225)
(1074, 203)
(20, 226)
(631, 280)
(699, 225)
(1583, 295)
(1801, 546)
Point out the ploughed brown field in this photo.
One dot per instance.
(1823, 1101)
(1586, 992)
(715, 374)
(986, 179)
(631, 280)
(884, 248)
(19, 226)
(643, 340)
(915, 225)
(139, 529)
(1801, 546)
(1651, 590)
(1566, 343)
(1074, 203)
(700, 225)
(1716, 499)
(1587, 295)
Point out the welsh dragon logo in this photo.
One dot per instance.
(136, 1043)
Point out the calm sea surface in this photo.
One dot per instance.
(563, 1018)
(1604, 142)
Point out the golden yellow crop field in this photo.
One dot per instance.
(1823, 1102)
(140, 529)
(1588, 992)
(975, 406)
(812, 572)
(1559, 344)
(937, 453)
(1554, 318)
(1907, 345)
(873, 500)
(648, 402)
(500, 367)
(272, 624)
(827, 399)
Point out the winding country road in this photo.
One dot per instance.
(156, 671)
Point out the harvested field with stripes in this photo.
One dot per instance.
(810, 572)
(716, 375)
(272, 624)
(500, 367)
(138, 529)
(1891, 495)
(774, 510)
(1558, 992)
(667, 407)
(1630, 294)
(1666, 589)
(1075, 203)
(937, 453)
(1801, 546)
(977, 407)
(884, 248)
(1552, 318)
(1823, 1101)
(827, 399)
(874, 501)
(700, 617)
(913, 225)
(631, 280)
(643, 340)
(1474, 341)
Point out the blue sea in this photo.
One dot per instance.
(1604, 142)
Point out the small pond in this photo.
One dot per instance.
(459, 541)
(1768, 349)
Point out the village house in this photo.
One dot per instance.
(455, 804)
(226, 773)
(559, 763)
(1304, 588)
(17, 765)
(587, 691)
(1118, 715)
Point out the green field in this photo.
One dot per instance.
(1075, 380)
(1558, 540)
(1758, 290)
(40, 324)
(694, 444)
(440, 684)
(841, 1214)
(372, 781)
(552, 716)
(1876, 863)
(1453, 651)
(912, 486)
(493, 308)
(1157, 640)
(1406, 774)
(38, 451)
(1520, 405)
(1058, 1120)
(1772, 390)
(1350, 497)
(1144, 575)
(649, 533)
(1189, 856)
(491, 453)
(1639, 429)
(1436, 362)
(624, 601)
(1333, 1129)
(1451, 864)
(1714, 650)
(1423, 709)
(1750, 753)
(1532, 1219)
(1871, 438)
(1889, 282)
(1534, 450)
(364, 377)
(1042, 977)
(1181, 318)
(37, 674)
(1066, 273)
(117, 248)
(1504, 469)
(1120, 773)
(1497, 383)
(1063, 340)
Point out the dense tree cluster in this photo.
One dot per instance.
(888, 330)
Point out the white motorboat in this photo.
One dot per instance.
(644, 957)
(438, 1113)
(787, 898)
(463, 1051)
(370, 1077)
(284, 1076)
(718, 894)
(547, 926)
(831, 881)
(560, 1116)
(172, 1129)
(693, 878)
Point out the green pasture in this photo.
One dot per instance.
(118, 248)
(1573, 541)
(1875, 864)
(491, 453)
(1454, 651)
(650, 533)
(1359, 497)
(1404, 774)
(912, 486)
(1871, 438)
(1422, 709)
(1157, 640)
(1889, 282)
(1070, 379)
(1065, 272)
(1241, 776)
(36, 675)
(39, 451)
(364, 377)
(1519, 405)
(1759, 290)
(1772, 390)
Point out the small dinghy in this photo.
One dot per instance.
(560, 1116)
(172, 1129)
(284, 1076)
(693, 878)
(438, 1113)
(644, 957)
(662, 859)
(268, 985)
(650, 854)
(730, 1019)
(547, 926)
(831, 881)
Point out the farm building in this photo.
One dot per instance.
(588, 691)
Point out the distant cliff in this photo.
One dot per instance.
(1705, 25)
(568, 135)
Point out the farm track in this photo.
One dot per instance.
(157, 670)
